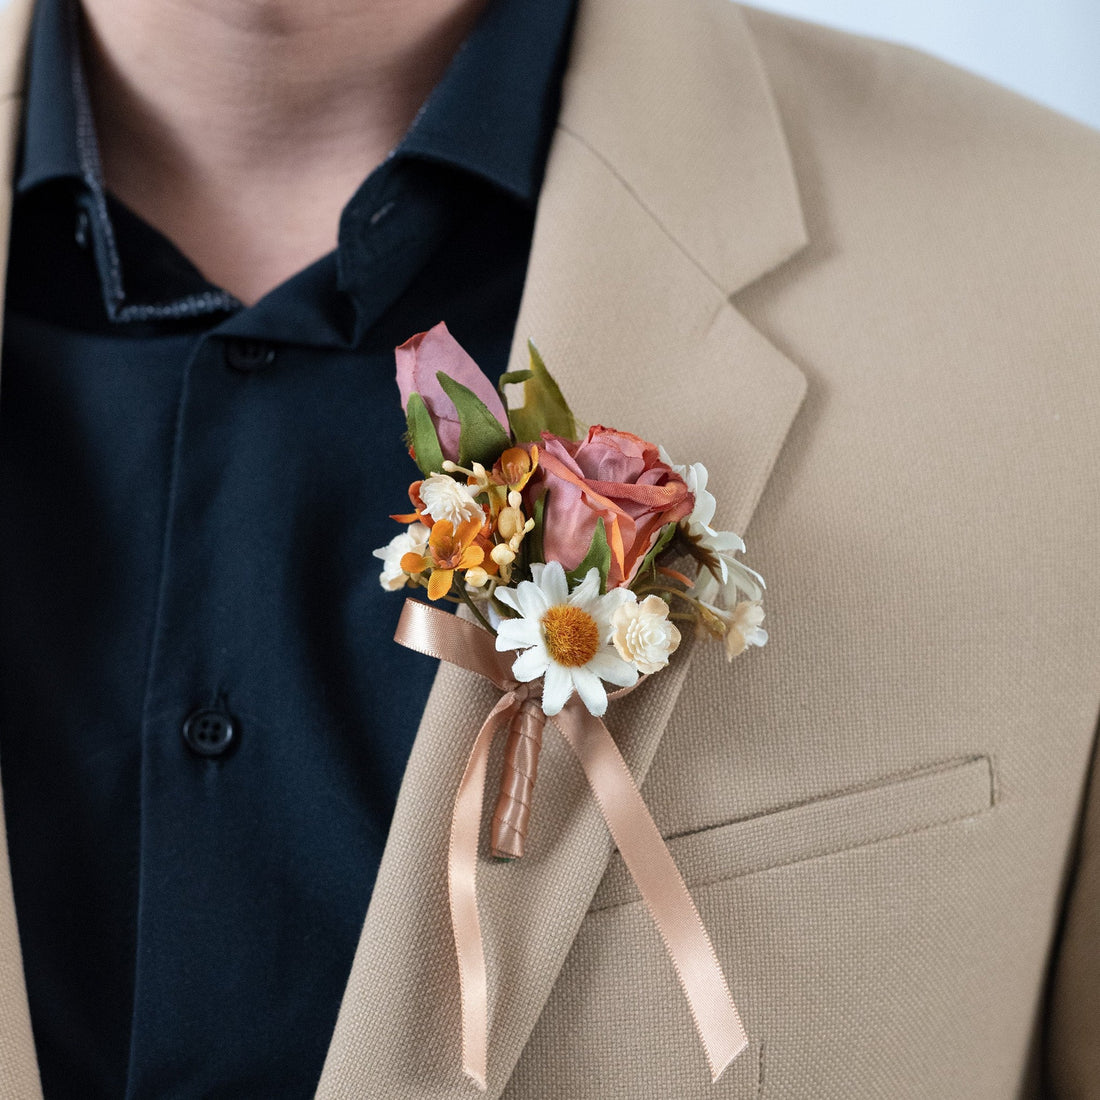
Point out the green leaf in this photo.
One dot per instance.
(667, 534)
(481, 437)
(543, 409)
(598, 556)
(513, 378)
(421, 436)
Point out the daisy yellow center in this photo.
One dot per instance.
(572, 635)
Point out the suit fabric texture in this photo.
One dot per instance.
(860, 286)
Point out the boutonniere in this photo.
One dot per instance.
(580, 556)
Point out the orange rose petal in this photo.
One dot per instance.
(614, 535)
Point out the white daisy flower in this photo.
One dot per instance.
(697, 524)
(413, 540)
(445, 498)
(736, 577)
(565, 636)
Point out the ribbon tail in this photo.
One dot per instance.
(462, 893)
(662, 888)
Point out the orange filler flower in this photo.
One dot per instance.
(515, 467)
(449, 551)
(419, 515)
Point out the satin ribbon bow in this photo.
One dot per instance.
(460, 642)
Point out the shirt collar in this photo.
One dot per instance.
(50, 143)
(491, 117)
(492, 113)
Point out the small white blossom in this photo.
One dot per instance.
(643, 635)
(445, 498)
(413, 540)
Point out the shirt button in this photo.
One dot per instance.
(83, 228)
(380, 213)
(210, 732)
(249, 355)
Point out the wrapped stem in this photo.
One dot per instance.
(517, 782)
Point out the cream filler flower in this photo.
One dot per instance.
(413, 540)
(746, 629)
(740, 627)
(643, 635)
(565, 636)
(445, 498)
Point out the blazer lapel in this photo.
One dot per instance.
(639, 243)
(18, 1064)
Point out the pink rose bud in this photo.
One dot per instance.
(420, 358)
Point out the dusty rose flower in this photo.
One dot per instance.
(613, 475)
(418, 361)
(643, 635)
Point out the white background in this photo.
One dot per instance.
(1046, 49)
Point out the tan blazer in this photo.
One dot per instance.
(864, 289)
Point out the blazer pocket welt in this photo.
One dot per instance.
(952, 790)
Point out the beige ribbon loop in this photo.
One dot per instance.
(461, 642)
(462, 891)
(659, 882)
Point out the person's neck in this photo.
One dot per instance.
(240, 128)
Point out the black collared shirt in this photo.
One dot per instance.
(203, 719)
